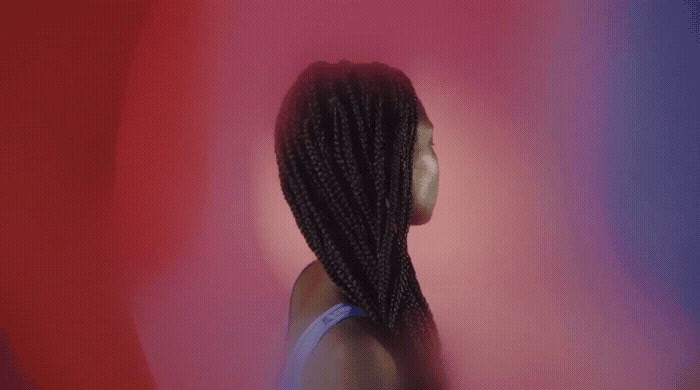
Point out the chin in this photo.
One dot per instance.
(420, 218)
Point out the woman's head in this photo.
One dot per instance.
(345, 140)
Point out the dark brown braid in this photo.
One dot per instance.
(344, 141)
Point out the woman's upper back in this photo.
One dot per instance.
(349, 355)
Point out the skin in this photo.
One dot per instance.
(425, 171)
(350, 348)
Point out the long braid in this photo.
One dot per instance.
(299, 192)
(332, 196)
(379, 179)
(395, 212)
(350, 169)
(344, 142)
(355, 178)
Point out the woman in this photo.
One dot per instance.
(356, 165)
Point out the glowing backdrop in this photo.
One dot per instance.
(147, 234)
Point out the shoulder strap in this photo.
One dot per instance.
(310, 338)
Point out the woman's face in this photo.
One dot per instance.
(425, 171)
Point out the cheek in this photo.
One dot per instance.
(425, 174)
(429, 164)
(434, 173)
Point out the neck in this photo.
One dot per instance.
(325, 289)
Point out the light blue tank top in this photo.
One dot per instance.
(291, 377)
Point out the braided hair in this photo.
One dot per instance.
(344, 142)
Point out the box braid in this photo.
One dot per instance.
(344, 140)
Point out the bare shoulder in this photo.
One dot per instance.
(349, 358)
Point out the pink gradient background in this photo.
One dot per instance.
(198, 249)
